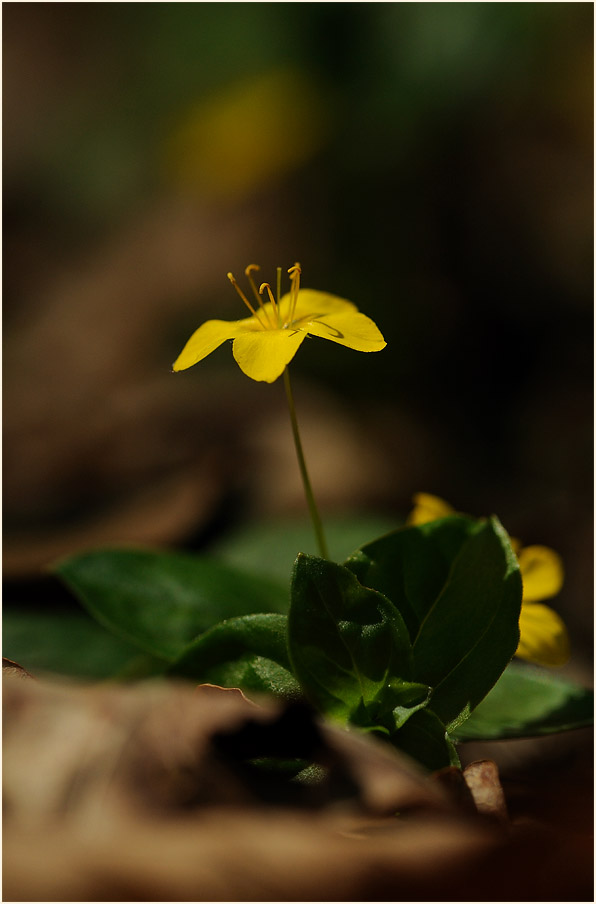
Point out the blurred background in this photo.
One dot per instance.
(432, 162)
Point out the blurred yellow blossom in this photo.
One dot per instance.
(543, 636)
(428, 508)
(236, 141)
(266, 342)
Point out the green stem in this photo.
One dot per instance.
(312, 506)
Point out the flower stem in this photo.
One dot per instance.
(312, 506)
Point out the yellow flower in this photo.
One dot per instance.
(224, 146)
(266, 342)
(428, 508)
(543, 636)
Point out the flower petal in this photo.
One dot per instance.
(312, 305)
(428, 508)
(331, 317)
(543, 636)
(351, 329)
(210, 336)
(542, 572)
(263, 355)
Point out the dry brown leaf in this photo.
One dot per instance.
(10, 667)
(145, 792)
(482, 778)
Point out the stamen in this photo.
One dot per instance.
(294, 272)
(248, 273)
(266, 285)
(244, 298)
(253, 268)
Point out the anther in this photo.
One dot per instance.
(264, 286)
(252, 268)
(241, 294)
(294, 272)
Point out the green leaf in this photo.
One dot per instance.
(411, 565)
(527, 702)
(65, 643)
(270, 548)
(471, 632)
(161, 601)
(249, 652)
(456, 583)
(392, 706)
(346, 642)
(404, 699)
(425, 739)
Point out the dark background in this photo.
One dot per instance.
(431, 162)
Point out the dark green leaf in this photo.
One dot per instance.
(402, 699)
(249, 652)
(392, 706)
(162, 601)
(425, 739)
(346, 642)
(411, 565)
(471, 632)
(66, 643)
(526, 702)
(270, 548)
